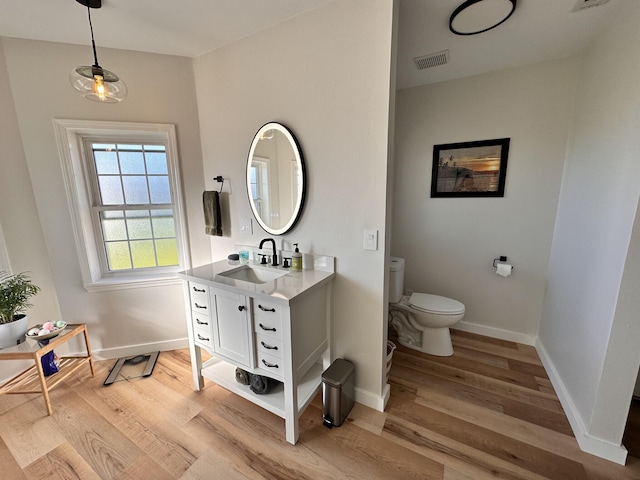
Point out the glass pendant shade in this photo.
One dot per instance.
(94, 82)
(97, 84)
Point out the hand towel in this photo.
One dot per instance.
(261, 384)
(242, 376)
(212, 216)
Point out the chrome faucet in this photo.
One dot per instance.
(274, 257)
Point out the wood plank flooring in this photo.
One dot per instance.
(489, 411)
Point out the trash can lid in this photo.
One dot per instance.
(338, 373)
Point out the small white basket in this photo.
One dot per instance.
(390, 349)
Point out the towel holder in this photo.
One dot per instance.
(219, 179)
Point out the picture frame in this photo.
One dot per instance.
(470, 169)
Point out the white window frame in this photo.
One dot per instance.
(5, 265)
(71, 136)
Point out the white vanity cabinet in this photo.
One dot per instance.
(279, 329)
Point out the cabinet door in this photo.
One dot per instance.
(233, 338)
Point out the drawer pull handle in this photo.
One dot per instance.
(200, 306)
(200, 322)
(195, 289)
(241, 307)
(200, 337)
(266, 309)
(268, 347)
(270, 365)
(267, 328)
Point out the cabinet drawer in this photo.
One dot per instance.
(269, 345)
(271, 366)
(200, 320)
(199, 297)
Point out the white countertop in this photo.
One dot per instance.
(284, 289)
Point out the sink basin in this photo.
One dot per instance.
(249, 273)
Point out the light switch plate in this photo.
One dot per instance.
(371, 240)
(246, 226)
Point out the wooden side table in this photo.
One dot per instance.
(33, 380)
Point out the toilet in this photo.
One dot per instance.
(422, 320)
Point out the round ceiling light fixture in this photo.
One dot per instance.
(477, 16)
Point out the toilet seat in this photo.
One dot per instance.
(435, 304)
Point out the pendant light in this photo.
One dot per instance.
(94, 82)
(477, 16)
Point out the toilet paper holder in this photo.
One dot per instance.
(501, 259)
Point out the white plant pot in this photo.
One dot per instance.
(13, 333)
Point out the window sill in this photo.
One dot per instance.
(126, 283)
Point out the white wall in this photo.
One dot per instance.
(161, 90)
(589, 332)
(449, 243)
(23, 238)
(326, 76)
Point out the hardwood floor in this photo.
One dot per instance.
(489, 411)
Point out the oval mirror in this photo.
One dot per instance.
(275, 178)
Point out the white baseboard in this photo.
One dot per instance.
(495, 333)
(370, 400)
(140, 349)
(586, 442)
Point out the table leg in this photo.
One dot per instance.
(43, 384)
(86, 343)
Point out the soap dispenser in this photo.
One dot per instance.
(296, 260)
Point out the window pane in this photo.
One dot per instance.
(159, 187)
(113, 228)
(139, 228)
(110, 190)
(156, 163)
(143, 254)
(163, 224)
(118, 255)
(167, 251)
(135, 190)
(132, 163)
(106, 163)
(137, 213)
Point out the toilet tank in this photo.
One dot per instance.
(396, 279)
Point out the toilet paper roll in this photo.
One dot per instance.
(504, 269)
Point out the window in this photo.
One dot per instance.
(123, 188)
(260, 185)
(133, 205)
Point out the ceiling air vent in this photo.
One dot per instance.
(432, 60)
(584, 4)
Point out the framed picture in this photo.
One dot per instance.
(470, 169)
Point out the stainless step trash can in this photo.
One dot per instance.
(337, 392)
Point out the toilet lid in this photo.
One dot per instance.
(436, 304)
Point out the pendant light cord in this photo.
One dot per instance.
(93, 43)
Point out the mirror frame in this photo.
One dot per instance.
(297, 210)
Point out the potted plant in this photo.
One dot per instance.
(15, 292)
